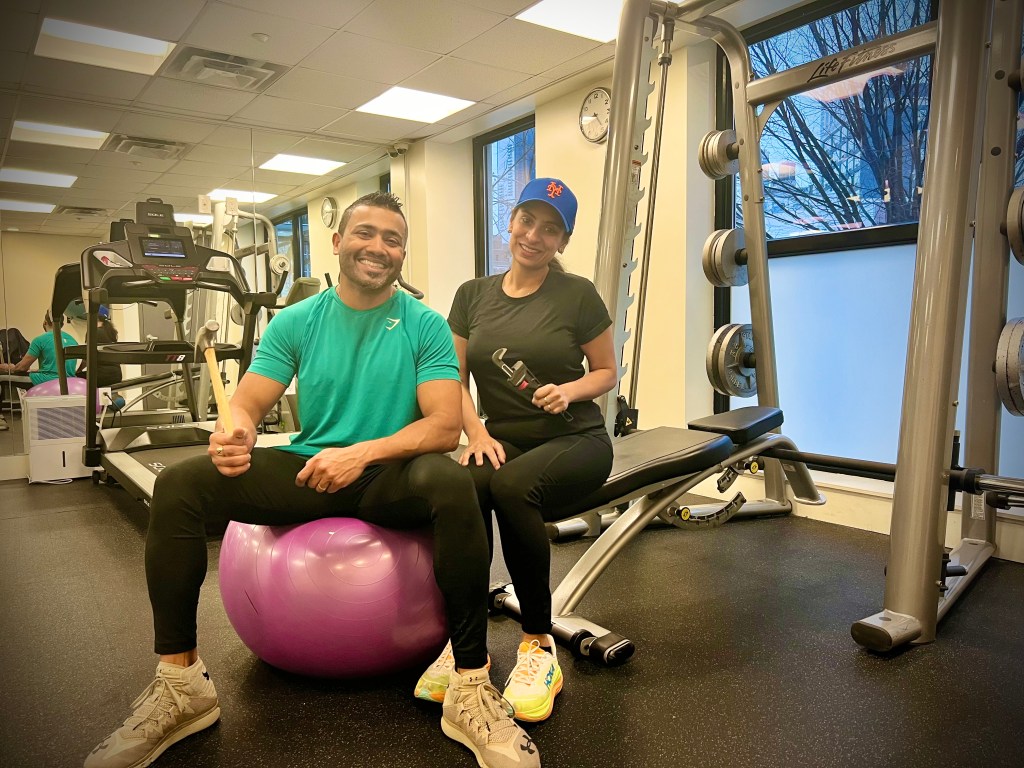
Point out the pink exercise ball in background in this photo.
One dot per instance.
(335, 598)
(51, 388)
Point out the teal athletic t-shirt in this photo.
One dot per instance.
(43, 349)
(357, 369)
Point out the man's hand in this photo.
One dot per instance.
(333, 468)
(480, 447)
(232, 453)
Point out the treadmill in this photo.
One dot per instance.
(157, 261)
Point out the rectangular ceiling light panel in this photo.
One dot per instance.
(41, 178)
(409, 104)
(66, 40)
(25, 206)
(593, 19)
(60, 135)
(199, 219)
(313, 166)
(241, 195)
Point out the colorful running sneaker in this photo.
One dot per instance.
(475, 716)
(534, 682)
(434, 682)
(179, 702)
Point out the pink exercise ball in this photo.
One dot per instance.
(335, 598)
(51, 388)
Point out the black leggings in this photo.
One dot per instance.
(531, 488)
(429, 489)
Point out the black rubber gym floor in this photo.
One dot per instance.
(744, 658)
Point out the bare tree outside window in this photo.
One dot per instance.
(851, 154)
(509, 165)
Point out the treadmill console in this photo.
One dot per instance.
(164, 256)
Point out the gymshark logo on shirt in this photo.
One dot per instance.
(392, 323)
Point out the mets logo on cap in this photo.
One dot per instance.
(554, 189)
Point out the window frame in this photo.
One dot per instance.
(295, 216)
(480, 192)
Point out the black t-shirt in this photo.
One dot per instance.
(545, 330)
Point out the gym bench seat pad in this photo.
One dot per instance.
(741, 425)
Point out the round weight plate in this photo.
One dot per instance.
(724, 259)
(279, 264)
(1015, 223)
(715, 374)
(707, 258)
(736, 344)
(713, 154)
(1010, 366)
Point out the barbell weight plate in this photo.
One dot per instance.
(724, 259)
(713, 154)
(1010, 366)
(714, 371)
(1015, 223)
(707, 258)
(279, 264)
(737, 343)
(704, 156)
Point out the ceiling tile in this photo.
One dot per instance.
(516, 92)
(324, 13)
(184, 183)
(507, 7)
(192, 97)
(7, 102)
(359, 125)
(125, 174)
(192, 168)
(282, 113)
(368, 59)
(12, 66)
(164, 191)
(230, 29)
(440, 26)
(244, 138)
(206, 153)
(473, 110)
(45, 164)
(152, 18)
(9, 190)
(80, 80)
(290, 180)
(131, 162)
(170, 129)
(463, 79)
(110, 184)
(330, 150)
(316, 87)
(96, 198)
(40, 109)
(17, 30)
(524, 47)
(29, 151)
(593, 58)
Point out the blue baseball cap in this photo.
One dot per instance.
(104, 311)
(555, 193)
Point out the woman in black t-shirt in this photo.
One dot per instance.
(537, 452)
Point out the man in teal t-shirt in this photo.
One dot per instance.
(43, 349)
(380, 403)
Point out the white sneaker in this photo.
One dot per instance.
(475, 716)
(534, 682)
(179, 702)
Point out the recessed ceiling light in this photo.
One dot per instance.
(59, 39)
(61, 135)
(600, 20)
(22, 176)
(241, 195)
(13, 229)
(193, 218)
(313, 166)
(25, 206)
(408, 104)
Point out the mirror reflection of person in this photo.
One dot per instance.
(43, 351)
(105, 332)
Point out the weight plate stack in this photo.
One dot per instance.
(713, 154)
(1010, 366)
(730, 349)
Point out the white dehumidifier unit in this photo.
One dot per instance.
(54, 437)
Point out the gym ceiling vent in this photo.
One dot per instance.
(221, 69)
(155, 149)
(81, 212)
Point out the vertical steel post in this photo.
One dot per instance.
(990, 276)
(936, 335)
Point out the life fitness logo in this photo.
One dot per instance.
(554, 190)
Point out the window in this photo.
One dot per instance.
(850, 155)
(292, 233)
(504, 162)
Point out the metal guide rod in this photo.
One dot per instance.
(614, 249)
(933, 353)
(853, 61)
(748, 133)
(664, 61)
(990, 279)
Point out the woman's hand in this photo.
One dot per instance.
(482, 446)
(551, 398)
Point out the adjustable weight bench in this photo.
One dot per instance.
(650, 471)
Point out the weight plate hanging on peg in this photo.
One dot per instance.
(718, 153)
(1010, 366)
(730, 361)
(725, 259)
(1015, 223)
(279, 264)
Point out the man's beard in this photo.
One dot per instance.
(350, 269)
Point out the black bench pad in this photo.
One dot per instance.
(742, 424)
